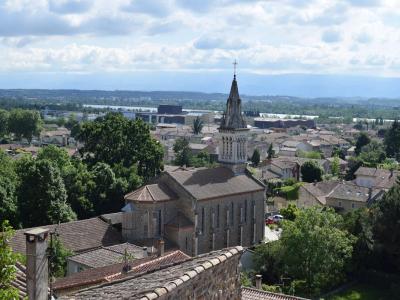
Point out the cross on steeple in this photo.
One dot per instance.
(234, 68)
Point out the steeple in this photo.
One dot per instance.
(233, 118)
(233, 132)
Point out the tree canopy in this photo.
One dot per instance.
(255, 158)
(311, 171)
(392, 140)
(24, 123)
(197, 125)
(362, 140)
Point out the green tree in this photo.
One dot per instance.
(197, 125)
(387, 227)
(268, 260)
(4, 115)
(115, 140)
(392, 140)
(362, 140)
(25, 123)
(255, 158)
(311, 171)
(270, 152)
(58, 257)
(290, 212)
(59, 156)
(335, 168)
(8, 259)
(42, 197)
(372, 154)
(316, 249)
(183, 155)
(8, 186)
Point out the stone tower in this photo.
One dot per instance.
(233, 133)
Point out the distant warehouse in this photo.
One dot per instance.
(282, 123)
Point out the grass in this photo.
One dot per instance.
(362, 292)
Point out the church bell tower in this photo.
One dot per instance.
(233, 133)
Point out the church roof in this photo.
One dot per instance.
(203, 183)
(233, 118)
(152, 193)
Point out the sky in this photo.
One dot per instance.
(288, 47)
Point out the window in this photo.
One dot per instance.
(340, 203)
(352, 205)
(217, 215)
(245, 211)
(232, 217)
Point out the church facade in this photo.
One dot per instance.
(200, 210)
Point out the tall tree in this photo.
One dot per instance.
(362, 140)
(42, 197)
(387, 227)
(8, 259)
(256, 157)
(4, 115)
(115, 140)
(311, 171)
(183, 155)
(197, 125)
(25, 123)
(270, 152)
(8, 186)
(316, 249)
(392, 140)
(335, 168)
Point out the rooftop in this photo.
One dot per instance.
(255, 294)
(152, 193)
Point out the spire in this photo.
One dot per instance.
(233, 118)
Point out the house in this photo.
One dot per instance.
(60, 137)
(202, 209)
(311, 194)
(104, 256)
(285, 169)
(376, 178)
(347, 196)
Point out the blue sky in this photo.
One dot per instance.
(190, 44)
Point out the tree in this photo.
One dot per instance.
(316, 249)
(58, 257)
(372, 154)
(115, 140)
(197, 125)
(59, 156)
(362, 140)
(392, 140)
(268, 260)
(42, 197)
(4, 115)
(387, 228)
(311, 171)
(255, 158)
(290, 212)
(8, 259)
(270, 152)
(335, 168)
(8, 186)
(182, 151)
(25, 123)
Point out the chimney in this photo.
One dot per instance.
(37, 274)
(145, 253)
(258, 281)
(161, 246)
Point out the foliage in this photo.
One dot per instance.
(372, 154)
(42, 198)
(24, 123)
(182, 151)
(255, 158)
(290, 212)
(115, 140)
(315, 249)
(362, 140)
(268, 260)
(335, 167)
(270, 152)
(353, 164)
(387, 227)
(4, 115)
(392, 141)
(311, 172)
(245, 279)
(197, 125)
(8, 259)
(309, 154)
(58, 257)
(8, 186)
(291, 192)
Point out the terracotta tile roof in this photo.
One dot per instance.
(20, 280)
(255, 294)
(382, 178)
(352, 192)
(320, 189)
(151, 285)
(77, 236)
(151, 193)
(204, 183)
(114, 272)
(107, 255)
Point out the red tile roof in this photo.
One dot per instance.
(255, 294)
(152, 193)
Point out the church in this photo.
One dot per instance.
(203, 209)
